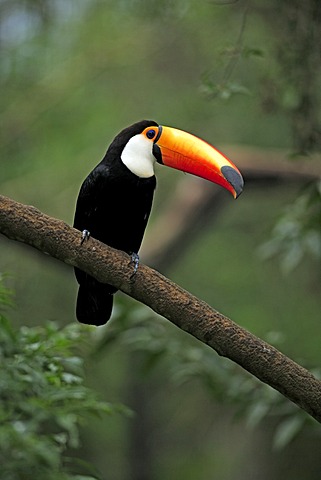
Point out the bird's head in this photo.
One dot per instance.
(146, 142)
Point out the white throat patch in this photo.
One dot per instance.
(138, 156)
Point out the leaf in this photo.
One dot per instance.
(252, 52)
(287, 430)
(257, 412)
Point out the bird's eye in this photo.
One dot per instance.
(150, 134)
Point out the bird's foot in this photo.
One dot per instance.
(85, 234)
(134, 259)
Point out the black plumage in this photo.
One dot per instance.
(113, 205)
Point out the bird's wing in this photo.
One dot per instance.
(88, 200)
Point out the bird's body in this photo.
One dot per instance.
(114, 205)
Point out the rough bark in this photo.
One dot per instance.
(51, 236)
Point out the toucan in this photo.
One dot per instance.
(115, 199)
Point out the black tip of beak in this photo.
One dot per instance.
(234, 178)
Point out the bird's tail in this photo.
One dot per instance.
(94, 303)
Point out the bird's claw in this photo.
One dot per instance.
(135, 260)
(85, 234)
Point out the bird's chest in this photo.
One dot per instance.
(122, 211)
(130, 198)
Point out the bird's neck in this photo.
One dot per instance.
(139, 160)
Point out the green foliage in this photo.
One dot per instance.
(298, 231)
(223, 91)
(225, 88)
(189, 361)
(73, 73)
(43, 399)
(5, 294)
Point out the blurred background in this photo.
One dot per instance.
(245, 76)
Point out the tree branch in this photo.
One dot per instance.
(51, 236)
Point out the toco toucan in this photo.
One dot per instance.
(115, 199)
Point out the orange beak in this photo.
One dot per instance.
(190, 154)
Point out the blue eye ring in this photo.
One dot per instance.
(150, 134)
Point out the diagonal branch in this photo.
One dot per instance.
(54, 237)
